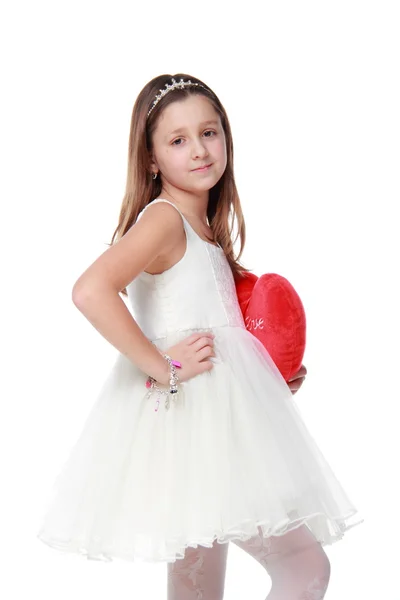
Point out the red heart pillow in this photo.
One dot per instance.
(274, 314)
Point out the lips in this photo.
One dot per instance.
(203, 167)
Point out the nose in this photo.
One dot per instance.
(199, 149)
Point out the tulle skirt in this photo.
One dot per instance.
(231, 457)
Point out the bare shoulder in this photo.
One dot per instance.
(158, 212)
(147, 244)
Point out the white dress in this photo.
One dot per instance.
(230, 455)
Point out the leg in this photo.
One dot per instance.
(297, 564)
(200, 575)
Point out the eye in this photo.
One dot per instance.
(178, 139)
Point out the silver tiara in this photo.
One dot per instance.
(175, 84)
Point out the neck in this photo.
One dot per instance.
(189, 204)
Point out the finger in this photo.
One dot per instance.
(205, 352)
(296, 384)
(302, 372)
(203, 342)
(206, 365)
(201, 334)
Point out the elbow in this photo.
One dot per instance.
(86, 292)
(76, 295)
(79, 294)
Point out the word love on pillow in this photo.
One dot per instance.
(274, 314)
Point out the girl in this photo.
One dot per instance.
(194, 440)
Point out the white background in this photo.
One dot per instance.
(312, 93)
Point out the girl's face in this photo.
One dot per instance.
(189, 135)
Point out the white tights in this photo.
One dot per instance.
(296, 563)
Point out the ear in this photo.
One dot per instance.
(153, 165)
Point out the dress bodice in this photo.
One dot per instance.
(197, 292)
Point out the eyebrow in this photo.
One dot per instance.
(211, 122)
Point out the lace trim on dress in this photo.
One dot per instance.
(226, 286)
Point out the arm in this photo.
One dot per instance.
(96, 291)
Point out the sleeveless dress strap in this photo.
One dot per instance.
(190, 232)
(156, 202)
(168, 202)
(186, 225)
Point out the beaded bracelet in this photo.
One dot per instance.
(152, 385)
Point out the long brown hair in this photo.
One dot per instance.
(223, 205)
